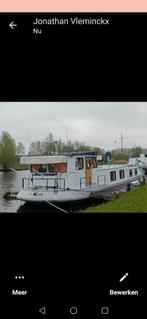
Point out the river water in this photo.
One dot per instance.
(10, 182)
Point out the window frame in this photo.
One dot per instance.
(82, 166)
(114, 179)
(135, 171)
(120, 172)
(130, 171)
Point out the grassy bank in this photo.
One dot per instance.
(17, 166)
(133, 201)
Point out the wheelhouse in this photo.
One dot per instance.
(64, 163)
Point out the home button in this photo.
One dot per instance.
(73, 310)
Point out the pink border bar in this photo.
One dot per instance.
(73, 5)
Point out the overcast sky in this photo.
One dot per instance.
(96, 124)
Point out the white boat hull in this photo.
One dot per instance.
(65, 196)
(60, 196)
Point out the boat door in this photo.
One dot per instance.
(88, 171)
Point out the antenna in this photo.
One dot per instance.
(28, 141)
(115, 144)
(121, 139)
(66, 133)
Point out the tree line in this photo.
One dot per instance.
(10, 151)
(52, 145)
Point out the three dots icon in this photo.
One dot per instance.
(19, 277)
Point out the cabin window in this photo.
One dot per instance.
(88, 163)
(58, 168)
(94, 162)
(113, 176)
(51, 168)
(130, 172)
(91, 162)
(121, 174)
(79, 163)
(38, 168)
(44, 168)
(135, 171)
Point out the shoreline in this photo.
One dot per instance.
(134, 201)
(10, 170)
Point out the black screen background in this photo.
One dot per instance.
(78, 252)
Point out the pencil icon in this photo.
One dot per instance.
(122, 278)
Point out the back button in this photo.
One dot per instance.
(42, 310)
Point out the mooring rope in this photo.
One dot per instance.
(57, 207)
(14, 170)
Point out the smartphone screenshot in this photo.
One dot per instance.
(73, 162)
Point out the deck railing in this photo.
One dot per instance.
(44, 183)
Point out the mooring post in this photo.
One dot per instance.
(128, 187)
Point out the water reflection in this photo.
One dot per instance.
(69, 208)
(10, 182)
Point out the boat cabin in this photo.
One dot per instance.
(61, 163)
(76, 170)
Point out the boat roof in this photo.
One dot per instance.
(53, 158)
(84, 153)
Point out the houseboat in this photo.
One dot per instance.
(70, 177)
